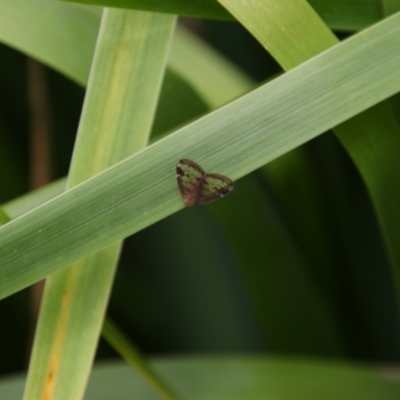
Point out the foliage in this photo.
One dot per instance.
(302, 259)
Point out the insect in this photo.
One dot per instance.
(197, 187)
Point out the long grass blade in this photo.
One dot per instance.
(119, 108)
(233, 140)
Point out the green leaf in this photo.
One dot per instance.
(53, 38)
(63, 35)
(213, 77)
(234, 140)
(119, 107)
(370, 138)
(27, 202)
(341, 14)
(238, 378)
(198, 8)
(133, 356)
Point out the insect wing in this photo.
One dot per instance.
(190, 178)
(215, 186)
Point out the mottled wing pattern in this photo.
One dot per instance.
(215, 186)
(190, 178)
(197, 187)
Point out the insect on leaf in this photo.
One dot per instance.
(197, 187)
